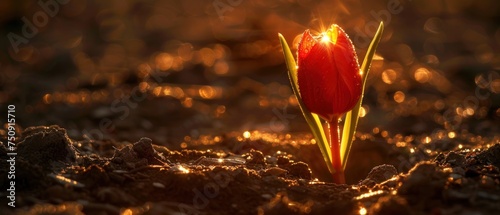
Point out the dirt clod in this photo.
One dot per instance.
(256, 157)
(44, 145)
(379, 174)
(282, 160)
(424, 181)
(299, 169)
(491, 156)
(454, 159)
(144, 148)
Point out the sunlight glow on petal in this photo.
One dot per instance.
(325, 38)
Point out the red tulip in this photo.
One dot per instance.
(328, 75)
(329, 81)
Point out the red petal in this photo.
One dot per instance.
(306, 44)
(347, 64)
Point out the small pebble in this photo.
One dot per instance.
(120, 171)
(158, 184)
(266, 196)
(282, 160)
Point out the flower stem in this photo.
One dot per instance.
(338, 175)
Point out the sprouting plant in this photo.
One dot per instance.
(329, 83)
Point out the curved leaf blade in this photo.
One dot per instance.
(351, 119)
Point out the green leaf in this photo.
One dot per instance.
(351, 119)
(312, 119)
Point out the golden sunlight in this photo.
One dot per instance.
(325, 38)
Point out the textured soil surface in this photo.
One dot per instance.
(183, 107)
(58, 175)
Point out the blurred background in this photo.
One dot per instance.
(192, 72)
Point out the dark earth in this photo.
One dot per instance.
(181, 107)
(58, 175)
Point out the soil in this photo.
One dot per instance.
(58, 175)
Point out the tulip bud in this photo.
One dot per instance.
(329, 77)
